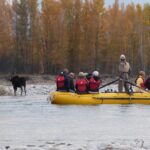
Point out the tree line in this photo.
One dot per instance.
(80, 35)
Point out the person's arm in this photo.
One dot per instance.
(72, 87)
(76, 87)
(100, 82)
(130, 70)
(120, 68)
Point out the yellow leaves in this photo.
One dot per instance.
(146, 15)
(98, 8)
(5, 28)
(51, 7)
(72, 32)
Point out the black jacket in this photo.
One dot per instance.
(71, 84)
(147, 83)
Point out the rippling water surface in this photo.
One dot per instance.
(31, 122)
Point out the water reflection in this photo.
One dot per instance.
(33, 122)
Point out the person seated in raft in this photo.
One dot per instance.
(147, 83)
(62, 81)
(81, 84)
(88, 76)
(71, 82)
(94, 82)
(66, 76)
(140, 81)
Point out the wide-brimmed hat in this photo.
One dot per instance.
(122, 57)
(142, 73)
(81, 74)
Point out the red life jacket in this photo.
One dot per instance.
(60, 81)
(142, 84)
(94, 85)
(81, 85)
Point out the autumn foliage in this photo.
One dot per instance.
(81, 35)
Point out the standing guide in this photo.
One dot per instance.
(124, 71)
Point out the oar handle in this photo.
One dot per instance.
(109, 83)
(136, 86)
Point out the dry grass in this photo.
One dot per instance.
(4, 91)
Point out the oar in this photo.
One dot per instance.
(136, 86)
(109, 83)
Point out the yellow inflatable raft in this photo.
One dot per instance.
(66, 98)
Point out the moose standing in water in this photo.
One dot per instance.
(18, 82)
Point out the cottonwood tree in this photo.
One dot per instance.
(6, 43)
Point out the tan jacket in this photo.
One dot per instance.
(124, 69)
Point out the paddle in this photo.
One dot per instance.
(109, 83)
(136, 86)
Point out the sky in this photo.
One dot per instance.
(110, 2)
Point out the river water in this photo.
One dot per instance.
(32, 123)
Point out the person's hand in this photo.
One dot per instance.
(120, 78)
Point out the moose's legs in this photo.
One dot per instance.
(25, 90)
(21, 90)
(15, 90)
